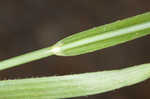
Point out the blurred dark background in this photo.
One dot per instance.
(27, 25)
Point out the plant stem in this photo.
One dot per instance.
(91, 40)
(28, 57)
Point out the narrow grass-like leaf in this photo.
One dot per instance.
(73, 85)
(105, 36)
(89, 41)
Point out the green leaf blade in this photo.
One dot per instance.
(105, 36)
(73, 85)
(88, 41)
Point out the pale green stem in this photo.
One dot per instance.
(32, 56)
(73, 85)
(91, 40)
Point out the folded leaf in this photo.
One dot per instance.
(104, 36)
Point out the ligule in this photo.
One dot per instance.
(73, 85)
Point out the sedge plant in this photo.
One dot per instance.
(80, 84)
